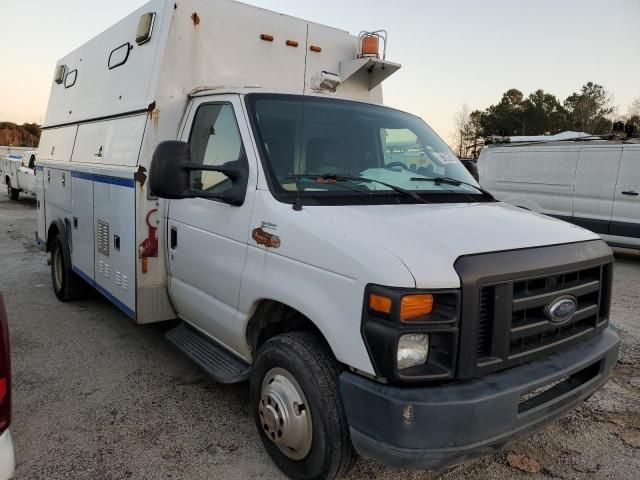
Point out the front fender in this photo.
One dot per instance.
(332, 302)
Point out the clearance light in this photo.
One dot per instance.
(314, 48)
(266, 37)
(415, 306)
(380, 304)
(292, 43)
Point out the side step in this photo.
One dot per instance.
(213, 358)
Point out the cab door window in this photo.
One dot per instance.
(215, 140)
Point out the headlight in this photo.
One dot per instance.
(411, 334)
(413, 350)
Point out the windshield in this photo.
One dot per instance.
(323, 149)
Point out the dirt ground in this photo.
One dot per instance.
(98, 397)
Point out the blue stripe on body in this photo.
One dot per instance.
(130, 313)
(123, 182)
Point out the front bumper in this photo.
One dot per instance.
(7, 456)
(435, 426)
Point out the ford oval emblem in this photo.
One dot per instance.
(561, 309)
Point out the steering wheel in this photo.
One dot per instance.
(396, 164)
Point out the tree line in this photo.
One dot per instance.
(589, 110)
(25, 135)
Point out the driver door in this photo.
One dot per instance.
(208, 238)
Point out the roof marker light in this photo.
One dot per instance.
(266, 38)
(314, 48)
(292, 43)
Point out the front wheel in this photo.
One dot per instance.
(13, 193)
(298, 410)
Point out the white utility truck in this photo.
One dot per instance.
(235, 168)
(588, 181)
(18, 173)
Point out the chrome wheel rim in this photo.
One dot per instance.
(57, 268)
(284, 414)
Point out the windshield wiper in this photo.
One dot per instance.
(452, 181)
(350, 178)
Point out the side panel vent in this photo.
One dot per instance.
(103, 237)
(104, 269)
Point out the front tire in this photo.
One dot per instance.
(297, 407)
(66, 284)
(13, 193)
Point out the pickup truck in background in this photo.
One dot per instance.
(18, 173)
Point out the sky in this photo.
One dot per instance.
(453, 52)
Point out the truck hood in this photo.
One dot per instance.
(428, 239)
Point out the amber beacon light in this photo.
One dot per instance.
(370, 44)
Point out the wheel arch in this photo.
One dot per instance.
(272, 317)
(56, 228)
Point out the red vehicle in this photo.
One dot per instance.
(7, 458)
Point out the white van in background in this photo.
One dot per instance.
(592, 183)
(236, 168)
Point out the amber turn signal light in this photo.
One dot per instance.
(414, 306)
(380, 304)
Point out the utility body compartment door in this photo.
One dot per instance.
(10, 172)
(207, 239)
(82, 232)
(115, 249)
(595, 185)
(625, 221)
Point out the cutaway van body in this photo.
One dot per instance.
(235, 168)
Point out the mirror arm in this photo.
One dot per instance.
(231, 172)
(230, 198)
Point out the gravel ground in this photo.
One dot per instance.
(98, 397)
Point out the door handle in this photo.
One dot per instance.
(630, 193)
(174, 238)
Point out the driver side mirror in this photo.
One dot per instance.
(170, 175)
